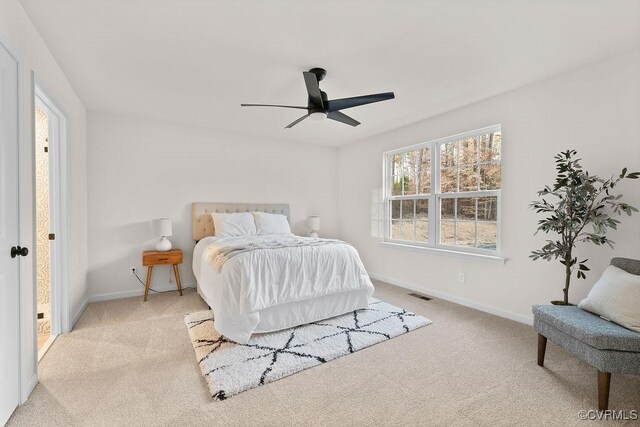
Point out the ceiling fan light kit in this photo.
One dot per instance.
(319, 106)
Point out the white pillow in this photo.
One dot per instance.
(616, 296)
(267, 223)
(233, 224)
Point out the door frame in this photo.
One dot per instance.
(58, 209)
(27, 308)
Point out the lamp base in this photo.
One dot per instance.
(313, 233)
(163, 245)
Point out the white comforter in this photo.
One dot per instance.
(266, 278)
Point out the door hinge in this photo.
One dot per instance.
(52, 236)
(46, 149)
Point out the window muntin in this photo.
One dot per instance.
(471, 163)
(446, 193)
(411, 172)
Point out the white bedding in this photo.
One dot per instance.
(268, 289)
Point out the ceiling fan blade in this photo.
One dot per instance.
(271, 105)
(343, 118)
(296, 122)
(313, 88)
(341, 104)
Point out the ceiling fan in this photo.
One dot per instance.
(320, 107)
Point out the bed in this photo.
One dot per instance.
(266, 290)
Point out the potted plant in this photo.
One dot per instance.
(580, 211)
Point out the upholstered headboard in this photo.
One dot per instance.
(627, 264)
(202, 223)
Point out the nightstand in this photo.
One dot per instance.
(152, 259)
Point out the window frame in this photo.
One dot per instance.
(435, 197)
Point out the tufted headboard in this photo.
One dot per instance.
(202, 223)
(627, 264)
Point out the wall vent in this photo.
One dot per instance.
(412, 294)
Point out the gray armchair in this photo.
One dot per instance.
(608, 347)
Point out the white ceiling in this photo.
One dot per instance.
(194, 62)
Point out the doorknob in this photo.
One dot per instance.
(19, 251)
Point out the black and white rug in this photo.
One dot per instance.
(231, 368)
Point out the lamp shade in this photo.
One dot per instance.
(162, 227)
(314, 222)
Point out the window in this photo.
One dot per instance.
(446, 193)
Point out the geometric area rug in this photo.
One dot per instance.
(231, 368)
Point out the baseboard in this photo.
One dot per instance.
(76, 316)
(455, 299)
(131, 293)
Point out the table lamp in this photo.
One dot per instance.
(314, 224)
(162, 227)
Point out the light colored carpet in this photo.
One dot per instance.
(131, 363)
(231, 368)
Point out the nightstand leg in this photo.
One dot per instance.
(146, 287)
(178, 282)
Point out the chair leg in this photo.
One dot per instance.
(604, 384)
(542, 348)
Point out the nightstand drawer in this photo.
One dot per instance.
(161, 258)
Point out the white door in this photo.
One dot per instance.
(10, 254)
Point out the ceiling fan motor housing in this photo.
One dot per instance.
(315, 107)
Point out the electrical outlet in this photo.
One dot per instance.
(132, 270)
(461, 277)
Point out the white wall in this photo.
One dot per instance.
(595, 110)
(140, 170)
(19, 33)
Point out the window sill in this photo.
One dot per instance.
(460, 254)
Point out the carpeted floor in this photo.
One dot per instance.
(131, 363)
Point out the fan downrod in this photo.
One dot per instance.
(319, 72)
